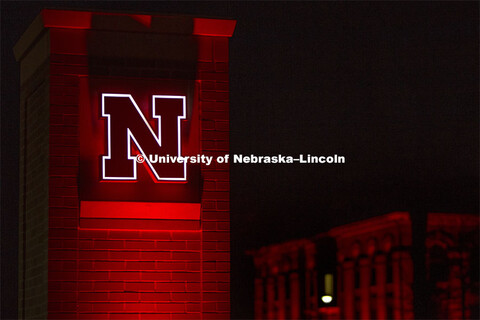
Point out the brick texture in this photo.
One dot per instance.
(108, 273)
(33, 218)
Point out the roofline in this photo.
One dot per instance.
(139, 22)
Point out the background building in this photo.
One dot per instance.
(373, 272)
(392, 86)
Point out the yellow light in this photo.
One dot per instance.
(327, 299)
(329, 284)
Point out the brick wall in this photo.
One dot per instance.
(108, 273)
(213, 81)
(33, 177)
(378, 247)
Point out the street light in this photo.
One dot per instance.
(328, 296)
(327, 299)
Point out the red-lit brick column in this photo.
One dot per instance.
(294, 295)
(339, 281)
(397, 287)
(69, 272)
(294, 281)
(381, 273)
(270, 297)
(364, 288)
(281, 314)
(215, 236)
(407, 280)
(311, 292)
(402, 280)
(348, 290)
(455, 288)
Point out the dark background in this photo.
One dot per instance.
(392, 86)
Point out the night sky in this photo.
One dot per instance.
(391, 86)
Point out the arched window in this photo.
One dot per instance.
(373, 274)
(371, 251)
(439, 269)
(389, 268)
(357, 273)
(265, 290)
(287, 285)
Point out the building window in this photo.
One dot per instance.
(311, 284)
(389, 305)
(439, 269)
(373, 308)
(389, 268)
(265, 291)
(373, 276)
(357, 274)
(275, 288)
(287, 286)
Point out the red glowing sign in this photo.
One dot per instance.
(121, 118)
(127, 124)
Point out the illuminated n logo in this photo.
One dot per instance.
(126, 123)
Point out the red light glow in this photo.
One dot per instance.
(139, 210)
(213, 27)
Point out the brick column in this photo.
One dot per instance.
(406, 266)
(271, 297)
(402, 285)
(339, 283)
(455, 301)
(364, 288)
(281, 314)
(348, 289)
(397, 286)
(109, 269)
(381, 273)
(33, 179)
(311, 293)
(212, 73)
(294, 295)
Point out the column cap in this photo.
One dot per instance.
(121, 21)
